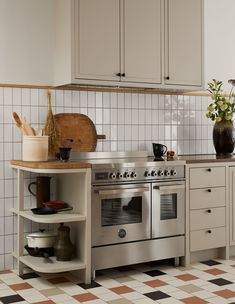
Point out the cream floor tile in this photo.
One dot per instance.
(41, 283)
(217, 300)
(108, 283)
(6, 292)
(179, 294)
(142, 277)
(212, 287)
(169, 301)
(134, 283)
(98, 291)
(133, 295)
(70, 288)
(143, 301)
(109, 296)
(61, 298)
(32, 295)
(203, 294)
(167, 288)
(144, 289)
(98, 301)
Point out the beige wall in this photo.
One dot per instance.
(26, 41)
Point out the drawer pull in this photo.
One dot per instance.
(208, 190)
(209, 169)
(209, 231)
(209, 211)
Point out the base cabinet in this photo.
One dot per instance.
(72, 187)
(232, 204)
(207, 208)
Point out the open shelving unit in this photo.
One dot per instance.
(72, 185)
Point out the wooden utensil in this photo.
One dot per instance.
(29, 130)
(19, 123)
(80, 129)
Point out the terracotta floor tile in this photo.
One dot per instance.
(193, 300)
(121, 289)
(155, 283)
(226, 293)
(214, 271)
(5, 272)
(20, 286)
(85, 297)
(58, 280)
(186, 277)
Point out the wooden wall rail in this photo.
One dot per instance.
(106, 89)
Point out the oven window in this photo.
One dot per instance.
(120, 211)
(168, 208)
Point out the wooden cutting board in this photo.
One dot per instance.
(80, 128)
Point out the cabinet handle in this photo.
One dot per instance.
(209, 170)
(167, 77)
(209, 190)
(123, 75)
(209, 231)
(118, 74)
(209, 211)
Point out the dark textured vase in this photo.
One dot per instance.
(224, 137)
(64, 249)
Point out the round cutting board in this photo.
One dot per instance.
(80, 129)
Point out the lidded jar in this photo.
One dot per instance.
(64, 249)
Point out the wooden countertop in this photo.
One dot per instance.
(54, 164)
(206, 158)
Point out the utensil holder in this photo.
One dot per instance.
(35, 148)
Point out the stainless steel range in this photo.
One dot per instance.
(138, 211)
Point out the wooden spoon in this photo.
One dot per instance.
(29, 130)
(18, 123)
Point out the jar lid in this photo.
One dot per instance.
(42, 234)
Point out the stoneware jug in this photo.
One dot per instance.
(64, 249)
(42, 193)
(159, 150)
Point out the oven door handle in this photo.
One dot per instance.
(173, 187)
(117, 191)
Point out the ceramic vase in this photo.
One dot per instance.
(224, 137)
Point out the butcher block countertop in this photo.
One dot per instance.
(55, 164)
(206, 158)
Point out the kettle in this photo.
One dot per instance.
(64, 250)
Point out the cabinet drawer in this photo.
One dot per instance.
(207, 177)
(207, 197)
(207, 218)
(201, 239)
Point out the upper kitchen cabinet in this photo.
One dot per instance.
(97, 32)
(135, 43)
(183, 42)
(141, 41)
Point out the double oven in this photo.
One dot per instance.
(134, 203)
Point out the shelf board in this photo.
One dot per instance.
(50, 265)
(62, 217)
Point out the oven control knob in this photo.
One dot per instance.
(133, 174)
(126, 174)
(153, 173)
(119, 175)
(173, 172)
(121, 233)
(112, 175)
(147, 173)
(160, 173)
(167, 172)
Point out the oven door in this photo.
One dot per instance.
(120, 213)
(168, 209)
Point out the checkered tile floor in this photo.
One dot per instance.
(210, 281)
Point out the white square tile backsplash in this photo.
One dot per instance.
(130, 122)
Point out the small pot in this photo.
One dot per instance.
(41, 239)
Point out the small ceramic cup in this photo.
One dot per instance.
(65, 153)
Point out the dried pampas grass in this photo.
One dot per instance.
(51, 129)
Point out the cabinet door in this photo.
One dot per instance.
(141, 38)
(232, 204)
(183, 43)
(97, 47)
